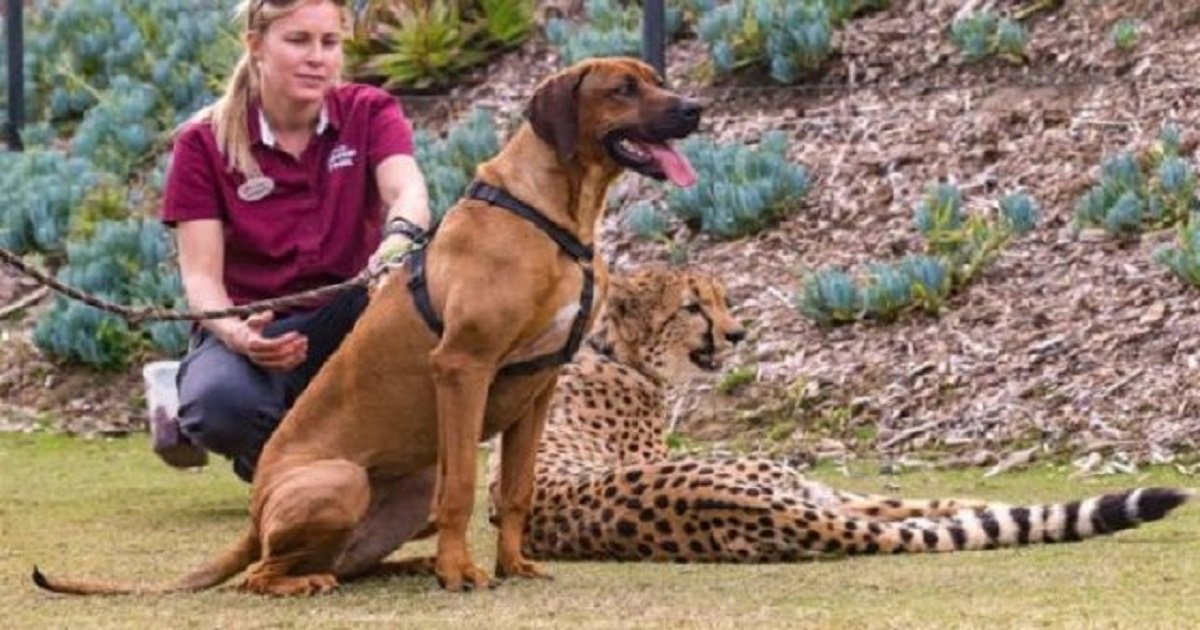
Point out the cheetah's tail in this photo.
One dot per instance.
(1005, 526)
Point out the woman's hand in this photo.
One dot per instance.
(392, 247)
(282, 353)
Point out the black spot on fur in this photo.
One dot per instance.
(626, 529)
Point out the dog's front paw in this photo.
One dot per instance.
(522, 568)
(461, 576)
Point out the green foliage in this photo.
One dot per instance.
(507, 22)
(126, 262)
(647, 222)
(735, 379)
(1135, 194)
(429, 45)
(983, 34)
(38, 191)
(1183, 259)
(740, 190)
(449, 164)
(1126, 33)
(886, 291)
(86, 52)
(830, 296)
(957, 247)
(788, 38)
(610, 28)
(107, 82)
(842, 11)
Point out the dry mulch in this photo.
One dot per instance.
(1066, 344)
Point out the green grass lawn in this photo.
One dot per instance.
(109, 509)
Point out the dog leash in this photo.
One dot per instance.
(137, 316)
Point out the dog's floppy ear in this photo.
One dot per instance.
(554, 112)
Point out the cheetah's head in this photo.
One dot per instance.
(667, 323)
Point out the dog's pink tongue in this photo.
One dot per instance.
(674, 165)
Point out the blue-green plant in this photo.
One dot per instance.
(107, 81)
(789, 38)
(1133, 194)
(740, 190)
(647, 222)
(830, 296)
(1125, 34)
(39, 189)
(957, 246)
(1183, 258)
(610, 28)
(127, 262)
(939, 218)
(887, 290)
(983, 34)
(931, 281)
(449, 164)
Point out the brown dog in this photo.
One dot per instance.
(348, 476)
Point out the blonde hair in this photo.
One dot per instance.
(228, 113)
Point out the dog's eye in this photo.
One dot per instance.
(628, 87)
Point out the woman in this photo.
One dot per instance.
(284, 184)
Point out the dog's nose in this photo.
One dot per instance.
(690, 109)
(735, 336)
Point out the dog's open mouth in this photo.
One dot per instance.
(659, 160)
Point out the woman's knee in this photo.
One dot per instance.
(226, 415)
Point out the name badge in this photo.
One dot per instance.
(255, 188)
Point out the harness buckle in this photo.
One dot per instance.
(483, 192)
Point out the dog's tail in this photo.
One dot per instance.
(231, 562)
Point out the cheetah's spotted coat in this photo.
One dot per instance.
(607, 489)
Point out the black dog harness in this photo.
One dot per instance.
(580, 253)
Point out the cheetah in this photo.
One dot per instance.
(607, 489)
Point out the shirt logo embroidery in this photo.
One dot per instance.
(341, 157)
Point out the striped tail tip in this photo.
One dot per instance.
(1155, 503)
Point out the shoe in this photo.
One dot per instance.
(171, 445)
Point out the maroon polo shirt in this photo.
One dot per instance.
(324, 216)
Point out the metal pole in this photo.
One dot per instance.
(654, 35)
(15, 35)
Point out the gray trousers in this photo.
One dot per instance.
(230, 406)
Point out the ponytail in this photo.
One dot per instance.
(228, 116)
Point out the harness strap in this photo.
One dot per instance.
(499, 197)
(577, 251)
(420, 291)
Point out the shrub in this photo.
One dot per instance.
(106, 82)
(830, 296)
(789, 39)
(127, 262)
(740, 190)
(983, 34)
(449, 165)
(957, 247)
(1133, 194)
(429, 45)
(610, 28)
(38, 191)
(1125, 34)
